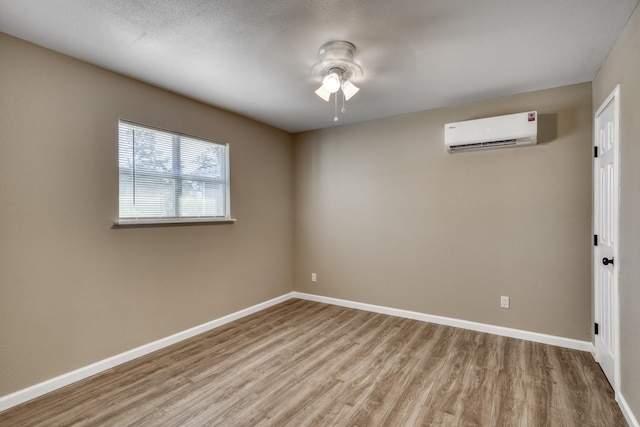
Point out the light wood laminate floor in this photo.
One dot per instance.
(303, 363)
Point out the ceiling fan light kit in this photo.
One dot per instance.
(338, 72)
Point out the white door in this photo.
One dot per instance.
(605, 213)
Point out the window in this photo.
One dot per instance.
(168, 177)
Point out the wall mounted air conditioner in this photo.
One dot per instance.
(512, 130)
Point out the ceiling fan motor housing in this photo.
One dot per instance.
(337, 56)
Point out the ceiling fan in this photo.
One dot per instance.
(338, 72)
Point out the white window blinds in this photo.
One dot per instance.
(169, 177)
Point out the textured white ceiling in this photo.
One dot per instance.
(254, 57)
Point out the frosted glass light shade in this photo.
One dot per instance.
(323, 93)
(331, 83)
(349, 89)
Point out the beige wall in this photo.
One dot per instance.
(73, 290)
(623, 66)
(384, 215)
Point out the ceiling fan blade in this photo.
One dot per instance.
(323, 93)
(349, 89)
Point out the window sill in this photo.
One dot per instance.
(125, 223)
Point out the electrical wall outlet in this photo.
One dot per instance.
(504, 302)
(314, 278)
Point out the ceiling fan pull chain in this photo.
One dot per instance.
(344, 109)
(335, 104)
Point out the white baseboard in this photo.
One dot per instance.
(626, 411)
(44, 387)
(448, 321)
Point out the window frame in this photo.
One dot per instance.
(176, 175)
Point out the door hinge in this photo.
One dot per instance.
(595, 240)
(595, 151)
(595, 328)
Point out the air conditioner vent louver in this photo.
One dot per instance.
(481, 145)
(493, 132)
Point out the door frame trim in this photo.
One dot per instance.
(614, 97)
